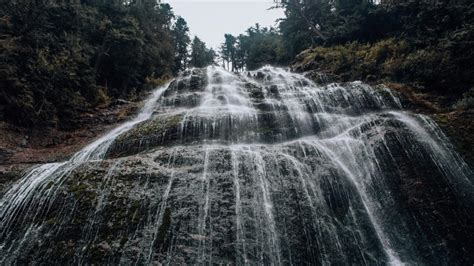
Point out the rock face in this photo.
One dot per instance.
(259, 168)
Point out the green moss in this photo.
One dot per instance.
(460, 133)
(84, 190)
(49, 185)
(77, 188)
(155, 126)
(52, 221)
(432, 67)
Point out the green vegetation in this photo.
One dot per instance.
(426, 45)
(254, 49)
(149, 128)
(201, 56)
(152, 132)
(421, 48)
(433, 68)
(62, 58)
(460, 131)
(181, 40)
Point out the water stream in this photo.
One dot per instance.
(262, 167)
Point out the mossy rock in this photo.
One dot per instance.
(255, 92)
(459, 128)
(147, 135)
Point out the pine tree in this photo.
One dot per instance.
(228, 50)
(181, 39)
(201, 56)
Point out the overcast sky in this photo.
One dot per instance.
(211, 19)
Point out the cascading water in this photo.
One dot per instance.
(35, 190)
(264, 167)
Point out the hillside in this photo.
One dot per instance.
(426, 55)
(343, 135)
(445, 100)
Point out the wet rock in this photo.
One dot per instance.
(259, 75)
(231, 169)
(104, 247)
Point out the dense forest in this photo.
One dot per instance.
(425, 43)
(60, 58)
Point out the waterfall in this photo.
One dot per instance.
(261, 167)
(33, 192)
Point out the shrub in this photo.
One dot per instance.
(58, 60)
(437, 68)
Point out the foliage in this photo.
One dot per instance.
(257, 47)
(181, 40)
(60, 59)
(345, 21)
(228, 50)
(432, 67)
(201, 56)
(413, 42)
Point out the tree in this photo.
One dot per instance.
(181, 42)
(301, 9)
(257, 47)
(201, 56)
(62, 57)
(324, 22)
(241, 54)
(228, 50)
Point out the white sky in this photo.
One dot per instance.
(211, 19)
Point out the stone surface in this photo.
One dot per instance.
(259, 168)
